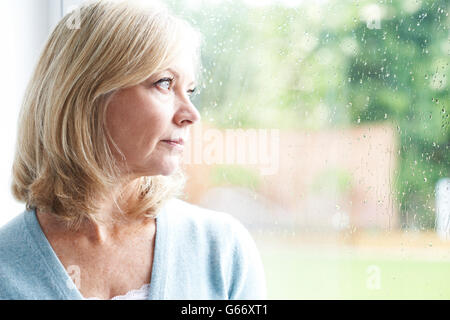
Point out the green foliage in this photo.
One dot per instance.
(396, 70)
(235, 176)
(336, 178)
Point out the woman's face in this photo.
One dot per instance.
(143, 120)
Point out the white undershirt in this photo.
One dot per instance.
(135, 294)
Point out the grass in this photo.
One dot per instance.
(321, 272)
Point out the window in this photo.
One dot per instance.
(340, 109)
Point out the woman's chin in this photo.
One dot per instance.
(164, 167)
(168, 169)
(166, 173)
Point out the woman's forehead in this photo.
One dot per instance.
(182, 66)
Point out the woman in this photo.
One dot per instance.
(100, 138)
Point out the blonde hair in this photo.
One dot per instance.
(63, 163)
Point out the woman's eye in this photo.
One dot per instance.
(191, 92)
(164, 83)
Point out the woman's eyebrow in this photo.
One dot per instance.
(177, 75)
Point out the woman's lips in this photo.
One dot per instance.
(176, 140)
(178, 144)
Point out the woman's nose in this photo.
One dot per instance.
(186, 113)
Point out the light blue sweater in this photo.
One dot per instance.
(199, 254)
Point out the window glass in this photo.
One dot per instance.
(325, 130)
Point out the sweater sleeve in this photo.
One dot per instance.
(247, 273)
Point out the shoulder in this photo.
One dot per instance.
(186, 212)
(221, 239)
(12, 238)
(15, 249)
(203, 222)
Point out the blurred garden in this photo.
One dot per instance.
(365, 79)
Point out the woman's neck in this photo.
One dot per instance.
(111, 224)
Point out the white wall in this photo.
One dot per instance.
(24, 26)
